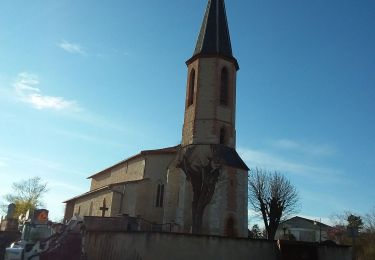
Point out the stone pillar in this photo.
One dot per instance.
(10, 223)
(11, 211)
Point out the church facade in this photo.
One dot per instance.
(152, 185)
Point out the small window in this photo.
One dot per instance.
(90, 209)
(230, 229)
(191, 88)
(224, 82)
(222, 135)
(160, 195)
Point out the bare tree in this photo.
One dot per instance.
(27, 194)
(202, 168)
(273, 196)
(370, 221)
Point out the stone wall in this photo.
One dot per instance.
(296, 250)
(228, 206)
(156, 171)
(69, 211)
(125, 238)
(90, 205)
(120, 245)
(137, 199)
(155, 246)
(172, 191)
(329, 252)
(133, 198)
(127, 171)
(231, 196)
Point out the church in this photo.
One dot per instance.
(156, 185)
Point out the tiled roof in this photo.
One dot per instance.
(107, 187)
(214, 35)
(166, 150)
(228, 156)
(310, 221)
(232, 158)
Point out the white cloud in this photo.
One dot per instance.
(263, 159)
(71, 47)
(89, 138)
(26, 87)
(53, 184)
(304, 147)
(3, 161)
(41, 166)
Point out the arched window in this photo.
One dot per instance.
(191, 88)
(222, 135)
(224, 86)
(160, 195)
(90, 209)
(230, 229)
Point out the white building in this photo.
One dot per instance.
(302, 229)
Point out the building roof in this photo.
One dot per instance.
(227, 155)
(214, 38)
(167, 150)
(310, 221)
(232, 158)
(214, 34)
(107, 187)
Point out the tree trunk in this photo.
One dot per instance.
(271, 232)
(203, 178)
(197, 218)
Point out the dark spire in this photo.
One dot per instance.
(214, 36)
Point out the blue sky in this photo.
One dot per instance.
(85, 84)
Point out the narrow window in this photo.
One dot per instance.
(224, 87)
(90, 210)
(191, 88)
(79, 210)
(160, 195)
(222, 135)
(230, 227)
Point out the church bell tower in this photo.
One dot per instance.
(209, 138)
(210, 105)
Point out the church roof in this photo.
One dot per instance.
(227, 155)
(214, 38)
(107, 187)
(232, 158)
(167, 150)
